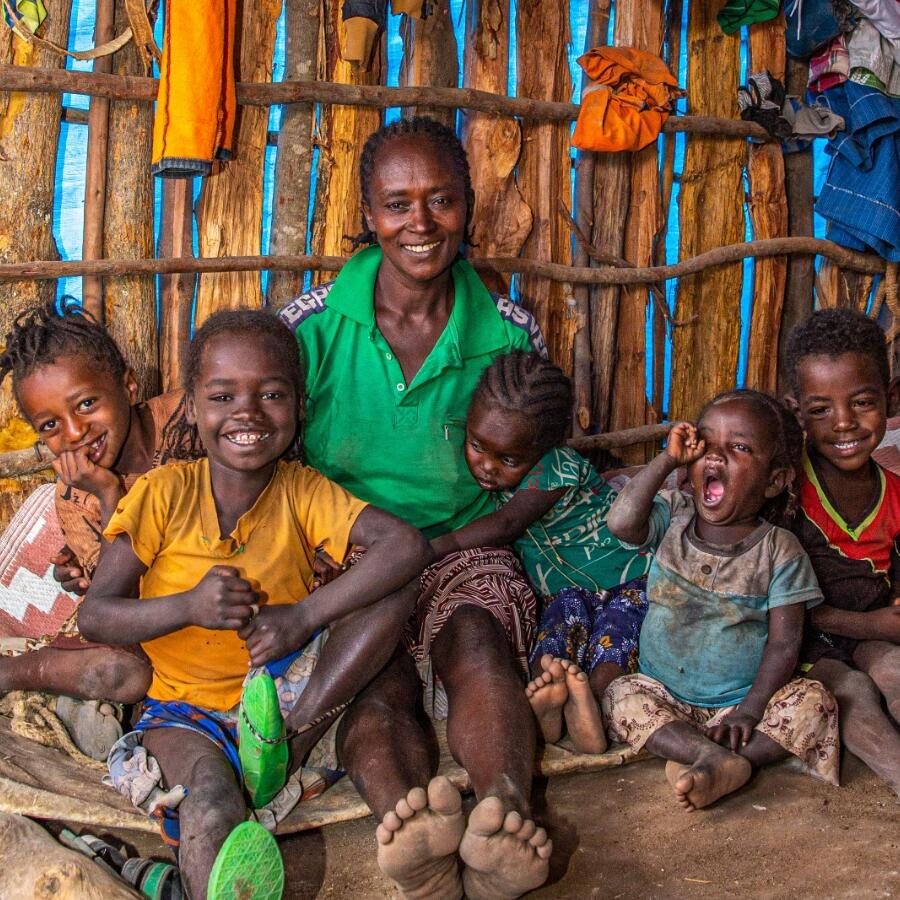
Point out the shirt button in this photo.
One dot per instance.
(388, 356)
(401, 386)
(705, 569)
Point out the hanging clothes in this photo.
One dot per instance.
(362, 20)
(808, 122)
(736, 13)
(861, 194)
(811, 24)
(883, 14)
(874, 59)
(195, 105)
(627, 102)
(830, 66)
(31, 14)
(760, 100)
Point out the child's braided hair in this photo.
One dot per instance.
(442, 138)
(833, 332)
(182, 439)
(531, 386)
(44, 334)
(788, 446)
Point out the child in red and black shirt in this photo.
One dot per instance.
(849, 523)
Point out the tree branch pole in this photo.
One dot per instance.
(38, 457)
(130, 87)
(95, 174)
(847, 259)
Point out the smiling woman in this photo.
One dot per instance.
(394, 348)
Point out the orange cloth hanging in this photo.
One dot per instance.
(195, 106)
(627, 102)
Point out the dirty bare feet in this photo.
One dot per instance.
(418, 840)
(582, 712)
(712, 776)
(547, 695)
(505, 855)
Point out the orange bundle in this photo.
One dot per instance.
(629, 98)
(195, 106)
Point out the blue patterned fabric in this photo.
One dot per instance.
(581, 626)
(861, 195)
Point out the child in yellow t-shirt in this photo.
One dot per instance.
(206, 565)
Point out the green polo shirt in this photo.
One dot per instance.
(397, 445)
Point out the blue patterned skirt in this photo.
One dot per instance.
(589, 629)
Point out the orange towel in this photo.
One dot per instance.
(627, 102)
(195, 106)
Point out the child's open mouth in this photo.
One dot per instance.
(246, 438)
(713, 490)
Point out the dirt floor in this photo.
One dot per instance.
(618, 834)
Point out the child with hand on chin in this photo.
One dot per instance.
(848, 521)
(77, 391)
(209, 566)
(715, 694)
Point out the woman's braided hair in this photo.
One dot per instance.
(444, 139)
(46, 334)
(531, 386)
(787, 450)
(182, 439)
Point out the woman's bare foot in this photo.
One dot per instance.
(505, 855)
(547, 695)
(418, 840)
(713, 775)
(582, 712)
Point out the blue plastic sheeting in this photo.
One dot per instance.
(70, 172)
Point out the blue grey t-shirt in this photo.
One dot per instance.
(707, 625)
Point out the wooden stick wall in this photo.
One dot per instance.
(521, 168)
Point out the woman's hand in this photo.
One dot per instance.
(735, 730)
(222, 600)
(683, 445)
(68, 571)
(275, 632)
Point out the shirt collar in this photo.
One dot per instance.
(474, 319)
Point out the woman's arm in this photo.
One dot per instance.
(776, 669)
(875, 625)
(111, 612)
(501, 528)
(395, 554)
(628, 516)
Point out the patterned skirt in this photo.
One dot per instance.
(489, 578)
(589, 628)
(801, 717)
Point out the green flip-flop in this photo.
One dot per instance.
(247, 867)
(262, 747)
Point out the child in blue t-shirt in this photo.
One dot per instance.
(552, 507)
(715, 694)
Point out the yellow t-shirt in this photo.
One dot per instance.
(170, 516)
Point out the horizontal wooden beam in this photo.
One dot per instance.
(131, 87)
(614, 439)
(847, 259)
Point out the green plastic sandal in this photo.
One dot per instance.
(262, 748)
(248, 866)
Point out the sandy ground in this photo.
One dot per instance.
(618, 834)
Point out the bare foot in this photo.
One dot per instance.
(712, 776)
(582, 712)
(505, 855)
(547, 695)
(418, 840)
